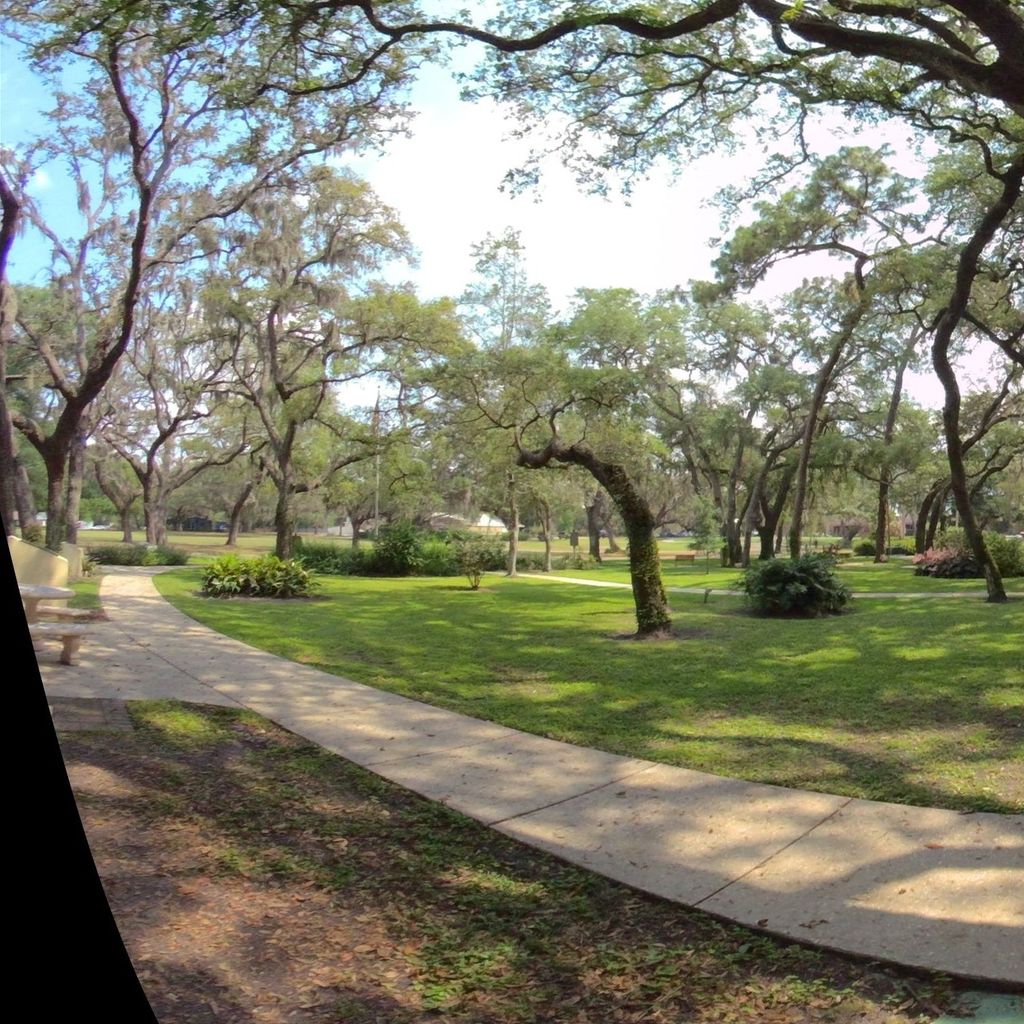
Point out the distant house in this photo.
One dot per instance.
(484, 524)
(489, 524)
(445, 521)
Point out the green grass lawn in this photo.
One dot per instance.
(896, 576)
(916, 702)
(86, 593)
(266, 872)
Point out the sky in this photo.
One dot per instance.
(445, 183)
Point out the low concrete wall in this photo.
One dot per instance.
(36, 565)
(73, 554)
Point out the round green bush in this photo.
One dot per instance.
(397, 551)
(804, 586)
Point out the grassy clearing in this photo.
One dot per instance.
(87, 594)
(255, 877)
(917, 702)
(896, 576)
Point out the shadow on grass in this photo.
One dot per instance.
(417, 913)
(901, 700)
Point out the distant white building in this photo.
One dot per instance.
(484, 524)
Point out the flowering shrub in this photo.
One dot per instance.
(947, 564)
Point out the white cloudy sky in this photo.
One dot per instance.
(445, 180)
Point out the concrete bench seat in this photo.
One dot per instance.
(71, 636)
(53, 611)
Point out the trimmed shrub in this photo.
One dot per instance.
(954, 561)
(573, 561)
(268, 576)
(947, 565)
(902, 547)
(1007, 553)
(864, 547)
(473, 555)
(119, 554)
(398, 550)
(439, 558)
(334, 559)
(163, 554)
(799, 586)
(137, 554)
(530, 561)
(952, 538)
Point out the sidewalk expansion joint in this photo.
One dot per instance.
(782, 849)
(177, 668)
(575, 796)
(426, 753)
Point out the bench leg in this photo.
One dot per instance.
(69, 653)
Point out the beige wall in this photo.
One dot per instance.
(73, 554)
(35, 565)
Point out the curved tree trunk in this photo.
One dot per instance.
(652, 612)
(967, 271)
(821, 389)
(235, 519)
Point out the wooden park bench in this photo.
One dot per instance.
(686, 556)
(70, 635)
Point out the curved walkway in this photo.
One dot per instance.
(922, 887)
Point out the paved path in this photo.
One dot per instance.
(922, 887)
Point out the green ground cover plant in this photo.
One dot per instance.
(289, 879)
(906, 700)
(806, 586)
(265, 576)
(137, 554)
(87, 594)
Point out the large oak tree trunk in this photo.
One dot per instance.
(235, 519)
(885, 477)
(76, 478)
(652, 613)
(593, 511)
(967, 271)
(511, 564)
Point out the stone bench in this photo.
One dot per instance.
(71, 636)
(52, 611)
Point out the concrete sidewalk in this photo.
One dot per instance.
(926, 888)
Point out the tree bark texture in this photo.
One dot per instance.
(652, 612)
(511, 565)
(948, 321)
